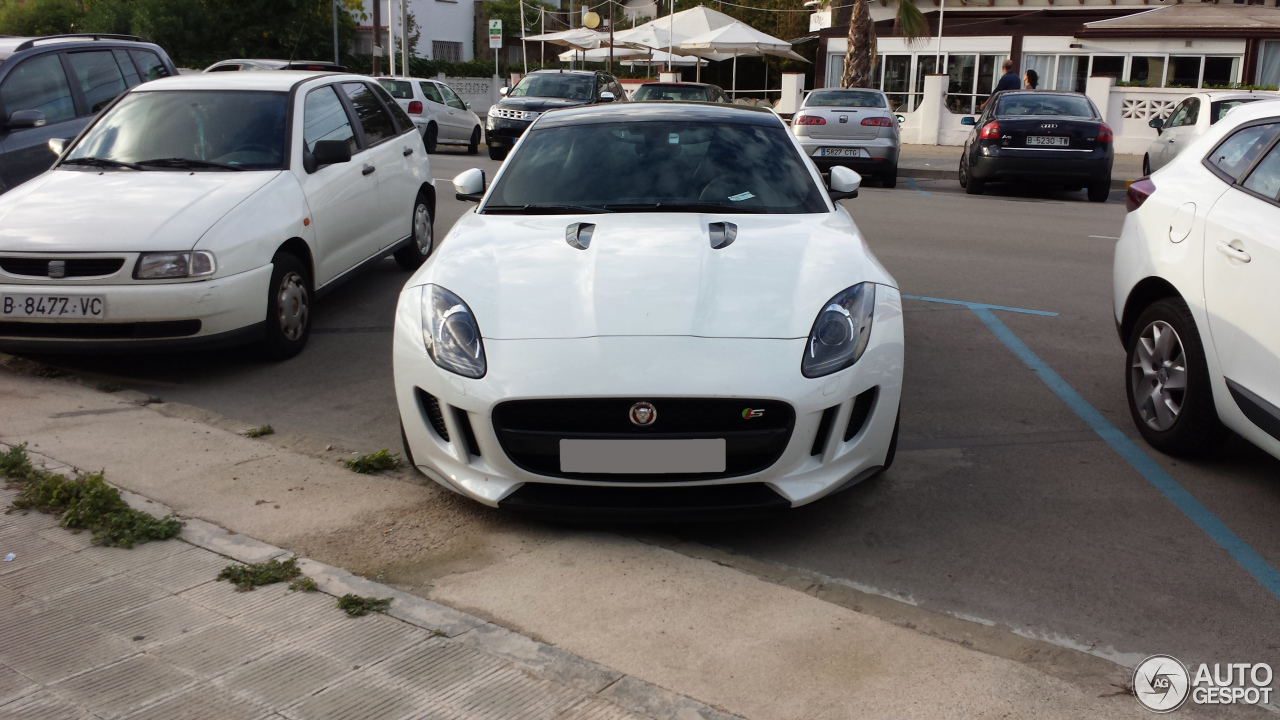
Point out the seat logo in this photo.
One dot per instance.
(57, 268)
(752, 413)
(844, 118)
(643, 414)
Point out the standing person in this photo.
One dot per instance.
(1008, 81)
(1033, 80)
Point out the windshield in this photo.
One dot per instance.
(671, 92)
(399, 89)
(1046, 104)
(658, 167)
(235, 128)
(845, 98)
(1222, 107)
(554, 85)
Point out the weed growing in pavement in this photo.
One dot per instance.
(109, 387)
(305, 584)
(247, 577)
(355, 606)
(375, 462)
(85, 502)
(260, 431)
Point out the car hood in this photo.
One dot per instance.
(126, 211)
(538, 104)
(650, 274)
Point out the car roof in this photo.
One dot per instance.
(646, 111)
(562, 72)
(1037, 91)
(1238, 94)
(678, 84)
(405, 78)
(9, 45)
(280, 81)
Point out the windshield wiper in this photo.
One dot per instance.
(102, 162)
(544, 209)
(680, 207)
(176, 162)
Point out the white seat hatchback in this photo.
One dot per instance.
(441, 116)
(211, 209)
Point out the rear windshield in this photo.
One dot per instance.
(1222, 107)
(671, 92)
(845, 98)
(1044, 104)
(399, 89)
(658, 166)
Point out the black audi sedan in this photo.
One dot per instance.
(1042, 136)
(540, 91)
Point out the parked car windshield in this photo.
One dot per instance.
(554, 85)
(657, 166)
(676, 93)
(1222, 107)
(190, 130)
(1044, 104)
(845, 98)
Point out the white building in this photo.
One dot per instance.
(447, 28)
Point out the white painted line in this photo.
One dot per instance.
(1104, 237)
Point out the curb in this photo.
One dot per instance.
(546, 661)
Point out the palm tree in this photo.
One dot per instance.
(860, 58)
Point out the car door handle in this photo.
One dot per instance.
(368, 170)
(1234, 253)
(408, 152)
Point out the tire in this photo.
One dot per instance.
(971, 185)
(474, 147)
(1146, 165)
(289, 296)
(431, 138)
(1099, 191)
(411, 256)
(1164, 339)
(497, 153)
(889, 178)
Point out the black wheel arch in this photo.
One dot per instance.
(299, 248)
(429, 191)
(1146, 292)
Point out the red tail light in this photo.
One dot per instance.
(878, 121)
(1104, 134)
(810, 120)
(415, 107)
(1138, 192)
(990, 131)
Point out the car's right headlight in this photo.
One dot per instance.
(451, 333)
(841, 332)
(493, 110)
(173, 265)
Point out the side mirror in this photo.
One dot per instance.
(1156, 123)
(843, 184)
(58, 145)
(329, 152)
(469, 185)
(467, 104)
(24, 119)
(606, 96)
(901, 118)
(503, 90)
(968, 121)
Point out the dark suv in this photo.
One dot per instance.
(51, 87)
(540, 91)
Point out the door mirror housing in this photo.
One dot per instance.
(843, 183)
(58, 145)
(503, 91)
(1156, 123)
(968, 121)
(25, 119)
(606, 96)
(903, 118)
(469, 185)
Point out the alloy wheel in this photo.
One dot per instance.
(422, 228)
(292, 306)
(1159, 376)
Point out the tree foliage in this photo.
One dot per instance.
(859, 60)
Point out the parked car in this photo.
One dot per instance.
(855, 128)
(51, 87)
(1197, 289)
(210, 209)
(1186, 122)
(655, 309)
(540, 91)
(1042, 136)
(253, 65)
(680, 92)
(440, 115)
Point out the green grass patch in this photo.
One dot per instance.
(304, 584)
(355, 606)
(248, 577)
(260, 431)
(375, 462)
(85, 502)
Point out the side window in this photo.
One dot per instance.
(373, 117)
(99, 75)
(130, 73)
(431, 93)
(619, 92)
(1175, 118)
(224, 68)
(1265, 178)
(1235, 154)
(324, 118)
(402, 117)
(451, 98)
(39, 84)
(1192, 114)
(150, 65)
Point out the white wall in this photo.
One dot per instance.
(449, 20)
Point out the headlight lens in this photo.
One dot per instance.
(493, 110)
(170, 265)
(451, 333)
(840, 334)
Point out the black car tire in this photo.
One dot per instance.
(288, 322)
(431, 137)
(497, 153)
(1100, 190)
(1146, 165)
(411, 256)
(1197, 427)
(971, 185)
(474, 147)
(889, 178)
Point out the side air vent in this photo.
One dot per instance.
(463, 421)
(578, 235)
(431, 408)
(824, 429)
(862, 407)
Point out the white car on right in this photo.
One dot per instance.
(1197, 289)
(439, 114)
(1191, 118)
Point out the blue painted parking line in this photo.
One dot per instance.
(912, 183)
(1242, 552)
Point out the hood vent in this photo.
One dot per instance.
(578, 235)
(722, 234)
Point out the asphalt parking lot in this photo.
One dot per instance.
(1005, 506)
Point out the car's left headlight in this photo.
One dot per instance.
(174, 265)
(841, 332)
(451, 333)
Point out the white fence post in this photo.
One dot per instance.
(931, 109)
(792, 93)
(1098, 89)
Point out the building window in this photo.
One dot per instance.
(1269, 63)
(1111, 66)
(897, 79)
(446, 50)
(1220, 71)
(1183, 72)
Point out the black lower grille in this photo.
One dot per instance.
(862, 407)
(100, 331)
(431, 408)
(824, 429)
(463, 421)
(755, 432)
(596, 503)
(71, 267)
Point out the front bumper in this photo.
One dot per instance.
(501, 132)
(142, 316)
(1003, 164)
(882, 154)
(473, 463)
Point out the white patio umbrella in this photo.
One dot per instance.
(737, 38)
(631, 56)
(577, 38)
(666, 33)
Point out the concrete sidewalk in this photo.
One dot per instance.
(942, 162)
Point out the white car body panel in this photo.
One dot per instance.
(1172, 141)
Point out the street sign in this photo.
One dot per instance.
(495, 34)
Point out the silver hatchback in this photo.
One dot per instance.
(854, 127)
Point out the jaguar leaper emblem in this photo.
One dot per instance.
(643, 413)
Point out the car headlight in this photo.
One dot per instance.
(171, 265)
(493, 110)
(840, 334)
(451, 333)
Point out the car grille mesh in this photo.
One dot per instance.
(431, 408)
(862, 407)
(516, 114)
(71, 267)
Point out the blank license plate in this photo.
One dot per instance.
(642, 457)
(844, 152)
(1047, 141)
(93, 307)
